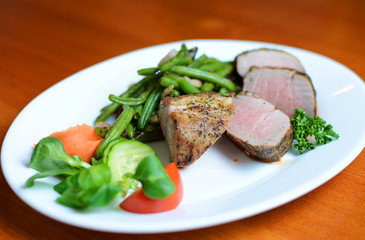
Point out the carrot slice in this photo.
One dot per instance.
(81, 140)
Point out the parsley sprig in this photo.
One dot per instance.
(305, 126)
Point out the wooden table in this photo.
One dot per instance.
(42, 42)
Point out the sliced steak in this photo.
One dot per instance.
(192, 123)
(262, 131)
(285, 88)
(264, 57)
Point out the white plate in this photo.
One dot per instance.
(217, 188)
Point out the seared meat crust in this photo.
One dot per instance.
(192, 123)
(266, 153)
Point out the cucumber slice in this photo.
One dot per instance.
(108, 147)
(123, 158)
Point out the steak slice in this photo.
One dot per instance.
(262, 131)
(192, 123)
(264, 57)
(287, 89)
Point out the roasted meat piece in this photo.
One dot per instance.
(262, 131)
(264, 57)
(192, 123)
(285, 88)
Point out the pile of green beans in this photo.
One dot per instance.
(141, 101)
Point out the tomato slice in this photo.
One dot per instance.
(138, 202)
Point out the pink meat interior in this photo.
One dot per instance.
(257, 122)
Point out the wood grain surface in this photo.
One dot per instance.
(43, 42)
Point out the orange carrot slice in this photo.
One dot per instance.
(81, 140)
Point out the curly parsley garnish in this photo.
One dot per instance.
(305, 126)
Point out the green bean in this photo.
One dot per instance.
(186, 86)
(177, 61)
(211, 60)
(212, 67)
(146, 81)
(223, 91)
(174, 93)
(137, 111)
(150, 104)
(225, 70)
(133, 101)
(168, 81)
(199, 61)
(183, 83)
(207, 87)
(104, 108)
(116, 130)
(147, 71)
(207, 76)
(130, 131)
(111, 108)
(181, 58)
(101, 131)
(126, 101)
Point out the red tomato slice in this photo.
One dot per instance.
(138, 202)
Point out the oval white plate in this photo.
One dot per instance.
(217, 188)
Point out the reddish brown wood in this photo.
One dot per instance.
(42, 42)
